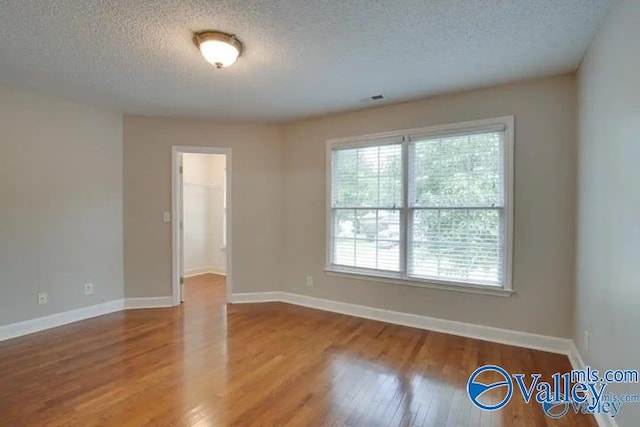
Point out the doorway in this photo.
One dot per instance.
(201, 212)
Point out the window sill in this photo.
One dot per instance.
(444, 286)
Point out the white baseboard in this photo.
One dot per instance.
(575, 358)
(254, 297)
(503, 336)
(486, 333)
(27, 327)
(204, 270)
(577, 363)
(54, 320)
(149, 302)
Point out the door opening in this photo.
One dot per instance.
(201, 212)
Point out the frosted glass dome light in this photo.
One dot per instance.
(219, 49)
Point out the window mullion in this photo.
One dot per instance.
(404, 211)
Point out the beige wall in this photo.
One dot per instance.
(543, 267)
(279, 204)
(256, 200)
(608, 250)
(61, 216)
(278, 179)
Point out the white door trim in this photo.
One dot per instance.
(176, 214)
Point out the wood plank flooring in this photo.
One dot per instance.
(208, 364)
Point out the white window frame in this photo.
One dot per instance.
(405, 136)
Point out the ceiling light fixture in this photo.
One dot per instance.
(218, 48)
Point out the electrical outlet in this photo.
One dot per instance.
(166, 216)
(43, 298)
(88, 288)
(586, 342)
(309, 280)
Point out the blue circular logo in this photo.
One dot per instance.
(556, 409)
(475, 389)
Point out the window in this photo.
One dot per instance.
(428, 205)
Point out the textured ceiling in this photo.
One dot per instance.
(302, 57)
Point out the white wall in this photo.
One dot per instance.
(61, 215)
(608, 249)
(203, 217)
(543, 268)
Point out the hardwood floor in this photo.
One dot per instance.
(206, 364)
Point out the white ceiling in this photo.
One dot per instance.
(302, 58)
